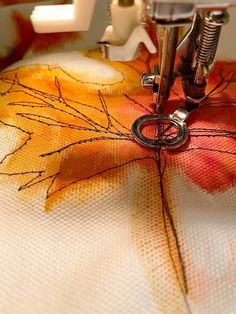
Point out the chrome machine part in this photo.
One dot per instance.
(200, 44)
(169, 17)
(198, 48)
(168, 39)
(171, 130)
(187, 48)
(212, 24)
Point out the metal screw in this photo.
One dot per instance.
(218, 17)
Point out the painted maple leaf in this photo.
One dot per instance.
(63, 123)
(67, 127)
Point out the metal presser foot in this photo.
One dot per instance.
(196, 51)
(172, 131)
(200, 45)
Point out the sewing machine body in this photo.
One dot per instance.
(121, 41)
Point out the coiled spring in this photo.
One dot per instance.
(212, 24)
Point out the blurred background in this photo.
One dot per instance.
(18, 40)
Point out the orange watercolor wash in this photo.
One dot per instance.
(87, 126)
(72, 129)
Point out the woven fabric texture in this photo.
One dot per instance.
(93, 223)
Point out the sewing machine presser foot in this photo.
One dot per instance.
(201, 43)
(170, 131)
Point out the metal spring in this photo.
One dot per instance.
(210, 37)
